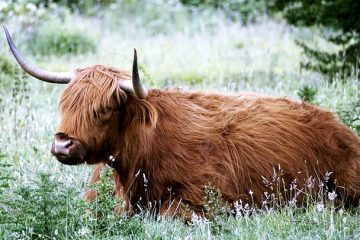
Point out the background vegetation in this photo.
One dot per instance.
(228, 46)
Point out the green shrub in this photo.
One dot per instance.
(344, 33)
(5, 175)
(7, 67)
(350, 115)
(44, 209)
(88, 7)
(244, 10)
(104, 220)
(102, 207)
(192, 78)
(215, 205)
(307, 93)
(61, 39)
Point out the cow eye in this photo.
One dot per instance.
(106, 115)
(101, 113)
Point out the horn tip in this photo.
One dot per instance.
(5, 29)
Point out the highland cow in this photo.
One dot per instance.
(166, 146)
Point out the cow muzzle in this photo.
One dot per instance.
(67, 150)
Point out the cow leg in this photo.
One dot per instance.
(123, 205)
(95, 177)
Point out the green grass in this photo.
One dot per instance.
(61, 39)
(40, 198)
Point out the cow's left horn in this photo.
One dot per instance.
(47, 76)
(140, 91)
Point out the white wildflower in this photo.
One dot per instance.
(196, 219)
(292, 202)
(327, 176)
(251, 192)
(83, 231)
(341, 211)
(238, 207)
(332, 195)
(293, 184)
(310, 182)
(320, 207)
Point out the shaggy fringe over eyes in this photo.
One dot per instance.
(93, 91)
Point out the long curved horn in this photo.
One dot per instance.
(140, 91)
(47, 76)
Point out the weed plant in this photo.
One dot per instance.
(307, 93)
(350, 114)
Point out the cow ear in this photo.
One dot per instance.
(126, 85)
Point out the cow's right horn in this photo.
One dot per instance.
(140, 91)
(47, 76)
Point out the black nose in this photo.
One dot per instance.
(61, 147)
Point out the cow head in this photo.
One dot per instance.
(90, 106)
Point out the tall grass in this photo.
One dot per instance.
(197, 50)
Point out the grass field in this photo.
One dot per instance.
(201, 50)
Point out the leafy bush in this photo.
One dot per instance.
(215, 205)
(244, 10)
(26, 12)
(42, 209)
(307, 93)
(7, 67)
(340, 16)
(83, 6)
(5, 175)
(350, 115)
(103, 206)
(102, 219)
(61, 39)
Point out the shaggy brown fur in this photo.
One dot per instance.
(172, 144)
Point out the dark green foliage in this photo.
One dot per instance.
(41, 209)
(7, 67)
(5, 174)
(16, 7)
(102, 207)
(350, 115)
(192, 78)
(244, 10)
(343, 18)
(340, 15)
(307, 93)
(88, 7)
(215, 205)
(101, 211)
(60, 39)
